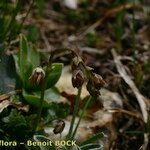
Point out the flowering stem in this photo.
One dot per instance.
(76, 107)
(81, 116)
(40, 109)
(43, 88)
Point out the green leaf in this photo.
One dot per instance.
(22, 55)
(25, 61)
(54, 74)
(15, 120)
(93, 138)
(27, 54)
(33, 56)
(33, 99)
(25, 76)
(52, 94)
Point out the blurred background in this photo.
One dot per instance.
(101, 32)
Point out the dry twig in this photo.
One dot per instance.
(130, 113)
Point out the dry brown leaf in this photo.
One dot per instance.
(4, 104)
(6, 100)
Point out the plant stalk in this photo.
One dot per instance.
(81, 116)
(40, 109)
(76, 107)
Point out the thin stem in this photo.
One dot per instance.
(81, 116)
(76, 107)
(40, 109)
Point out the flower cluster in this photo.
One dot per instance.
(81, 73)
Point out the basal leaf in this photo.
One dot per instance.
(25, 61)
(33, 56)
(22, 55)
(34, 99)
(54, 74)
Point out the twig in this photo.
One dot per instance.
(130, 113)
(139, 96)
(92, 50)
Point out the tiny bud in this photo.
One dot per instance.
(37, 75)
(77, 78)
(59, 127)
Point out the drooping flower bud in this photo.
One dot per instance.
(98, 81)
(94, 85)
(37, 76)
(59, 127)
(77, 78)
(92, 90)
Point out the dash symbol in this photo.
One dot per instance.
(21, 143)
